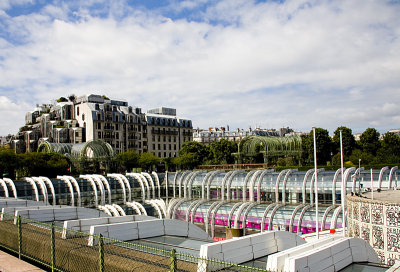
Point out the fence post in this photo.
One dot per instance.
(19, 237)
(173, 265)
(101, 253)
(53, 248)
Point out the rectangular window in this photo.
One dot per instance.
(99, 135)
(159, 146)
(174, 146)
(165, 146)
(164, 138)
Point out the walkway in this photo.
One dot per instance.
(9, 263)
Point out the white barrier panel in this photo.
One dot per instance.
(10, 202)
(247, 248)
(11, 210)
(145, 229)
(83, 225)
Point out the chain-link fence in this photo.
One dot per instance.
(44, 243)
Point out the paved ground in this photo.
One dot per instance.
(9, 263)
(392, 196)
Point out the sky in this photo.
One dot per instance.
(236, 63)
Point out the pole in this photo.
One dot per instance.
(101, 253)
(19, 237)
(316, 183)
(372, 186)
(173, 265)
(359, 177)
(343, 194)
(53, 248)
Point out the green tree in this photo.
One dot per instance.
(365, 157)
(390, 149)
(43, 164)
(187, 161)
(221, 151)
(349, 142)
(369, 141)
(200, 152)
(128, 160)
(9, 161)
(324, 146)
(148, 160)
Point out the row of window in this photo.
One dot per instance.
(165, 147)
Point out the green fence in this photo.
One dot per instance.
(43, 243)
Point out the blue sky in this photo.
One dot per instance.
(240, 63)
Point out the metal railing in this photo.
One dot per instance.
(43, 243)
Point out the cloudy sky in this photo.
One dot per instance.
(240, 63)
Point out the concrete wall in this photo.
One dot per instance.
(333, 256)
(247, 248)
(145, 229)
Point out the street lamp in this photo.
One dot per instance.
(316, 183)
(359, 177)
(343, 194)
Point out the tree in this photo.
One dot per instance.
(43, 164)
(128, 159)
(390, 149)
(221, 151)
(148, 160)
(9, 161)
(186, 161)
(199, 151)
(369, 141)
(348, 139)
(324, 146)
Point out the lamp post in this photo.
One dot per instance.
(343, 194)
(359, 177)
(316, 183)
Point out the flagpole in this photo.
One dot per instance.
(316, 183)
(343, 194)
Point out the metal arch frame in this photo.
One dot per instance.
(71, 189)
(120, 210)
(3, 183)
(107, 185)
(271, 219)
(335, 217)
(112, 209)
(122, 185)
(312, 185)
(252, 183)
(203, 183)
(233, 209)
(207, 219)
(162, 206)
(158, 183)
(150, 179)
(304, 193)
(201, 201)
(186, 182)
(140, 206)
(246, 180)
(101, 187)
(174, 182)
(94, 187)
(285, 179)
(146, 183)
(246, 212)
(344, 183)
(179, 203)
(326, 215)
(298, 207)
(100, 149)
(210, 180)
(104, 209)
(392, 171)
(260, 178)
(155, 205)
(214, 212)
(267, 209)
(303, 211)
(278, 179)
(182, 177)
(50, 184)
(78, 190)
(190, 185)
(229, 183)
(43, 188)
(358, 171)
(227, 176)
(11, 183)
(141, 185)
(189, 210)
(134, 206)
(170, 206)
(127, 184)
(335, 177)
(239, 213)
(383, 170)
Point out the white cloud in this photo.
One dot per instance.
(328, 63)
